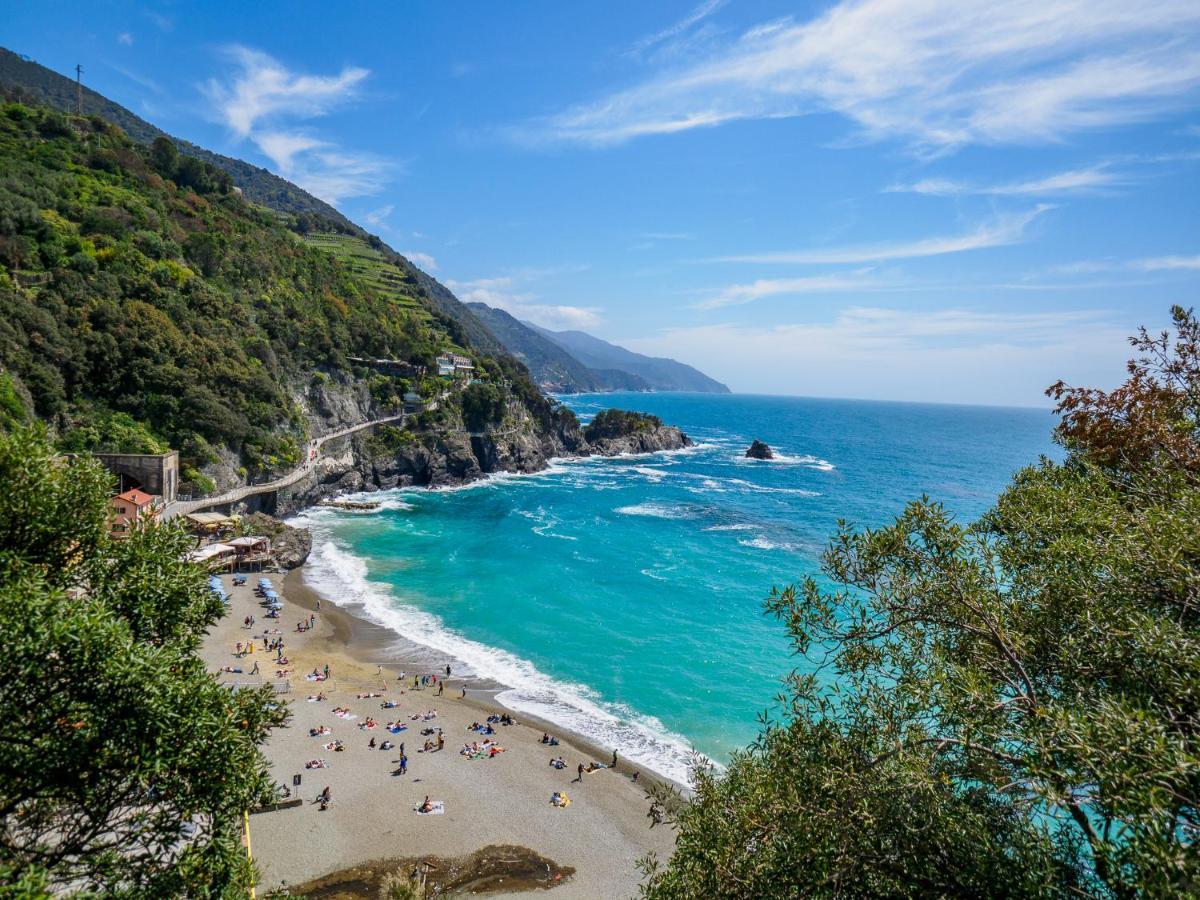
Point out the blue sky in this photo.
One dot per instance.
(868, 199)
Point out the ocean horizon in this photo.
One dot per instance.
(621, 598)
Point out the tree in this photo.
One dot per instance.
(164, 156)
(126, 767)
(482, 405)
(1006, 708)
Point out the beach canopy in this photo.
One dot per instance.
(209, 519)
(249, 542)
(211, 551)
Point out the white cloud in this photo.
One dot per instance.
(941, 355)
(265, 88)
(738, 294)
(999, 232)
(282, 147)
(698, 14)
(1073, 181)
(377, 217)
(504, 293)
(424, 260)
(125, 39)
(1168, 263)
(919, 71)
(1146, 264)
(262, 99)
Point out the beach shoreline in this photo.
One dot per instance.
(503, 800)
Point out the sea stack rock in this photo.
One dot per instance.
(759, 450)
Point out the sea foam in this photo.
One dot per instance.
(343, 578)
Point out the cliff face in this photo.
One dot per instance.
(450, 458)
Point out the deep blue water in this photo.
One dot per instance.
(623, 597)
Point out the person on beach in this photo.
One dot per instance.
(441, 741)
(404, 768)
(326, 670)
(441, 688)
(636, 775)
(464, 693)
(254, 671)
(371, 744)
(579, 773)
(447, 671)
(425, 807)
(324, 797)
(613, 764)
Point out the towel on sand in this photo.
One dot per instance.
(439, 809)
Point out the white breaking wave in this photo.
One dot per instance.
(654, 511)
(762, 543)
(342, 578)
(741, 526)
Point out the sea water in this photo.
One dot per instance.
(623, 598)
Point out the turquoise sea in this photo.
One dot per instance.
(622, 598)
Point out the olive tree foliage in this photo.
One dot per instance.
(125, 767)
(1005, 708)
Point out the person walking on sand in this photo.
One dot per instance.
(579, 774)
(613, 764)
(326, 670)
(254, 671)
(441, 688)
(447, 671)
(403, 764)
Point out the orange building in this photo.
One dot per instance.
(129, 510)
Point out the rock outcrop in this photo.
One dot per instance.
(289, 545)
(759, 450)
(450, 457)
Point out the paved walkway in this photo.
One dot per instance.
(313, 452)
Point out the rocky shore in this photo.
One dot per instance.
(449, 458)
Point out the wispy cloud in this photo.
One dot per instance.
(424, 260)
(377, 217)
(675, 30)
(1144, 264)
(739, 294)
(506, 293)
(263, 100)
(983, 72)
(125, 39)
(1074, 181)
(264, 87)
(998, 232)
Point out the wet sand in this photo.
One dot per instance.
(504, 800)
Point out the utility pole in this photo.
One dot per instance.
(78, 89)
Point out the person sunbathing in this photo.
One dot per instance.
(595, 767)
(388, 704)
(367, 696)
(425, 807)
(317, 732)
(558, 763)
(316, 764)
(386, 745)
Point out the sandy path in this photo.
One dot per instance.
(504, 800)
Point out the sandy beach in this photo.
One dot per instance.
(499, 800)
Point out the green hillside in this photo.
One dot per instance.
(373, 268)
(148, 304)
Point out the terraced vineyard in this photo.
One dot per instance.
(372, 267)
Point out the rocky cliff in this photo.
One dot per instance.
(450, 456)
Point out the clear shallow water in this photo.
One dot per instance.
(622, 598)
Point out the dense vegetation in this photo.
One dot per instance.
(25, 81)
(126, 767)
(1009, 708)
(609, 423)
(147, 304)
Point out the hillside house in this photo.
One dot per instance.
(129, 510)
(451, 365)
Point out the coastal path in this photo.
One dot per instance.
(312, 454)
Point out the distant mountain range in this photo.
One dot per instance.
(573, 362)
